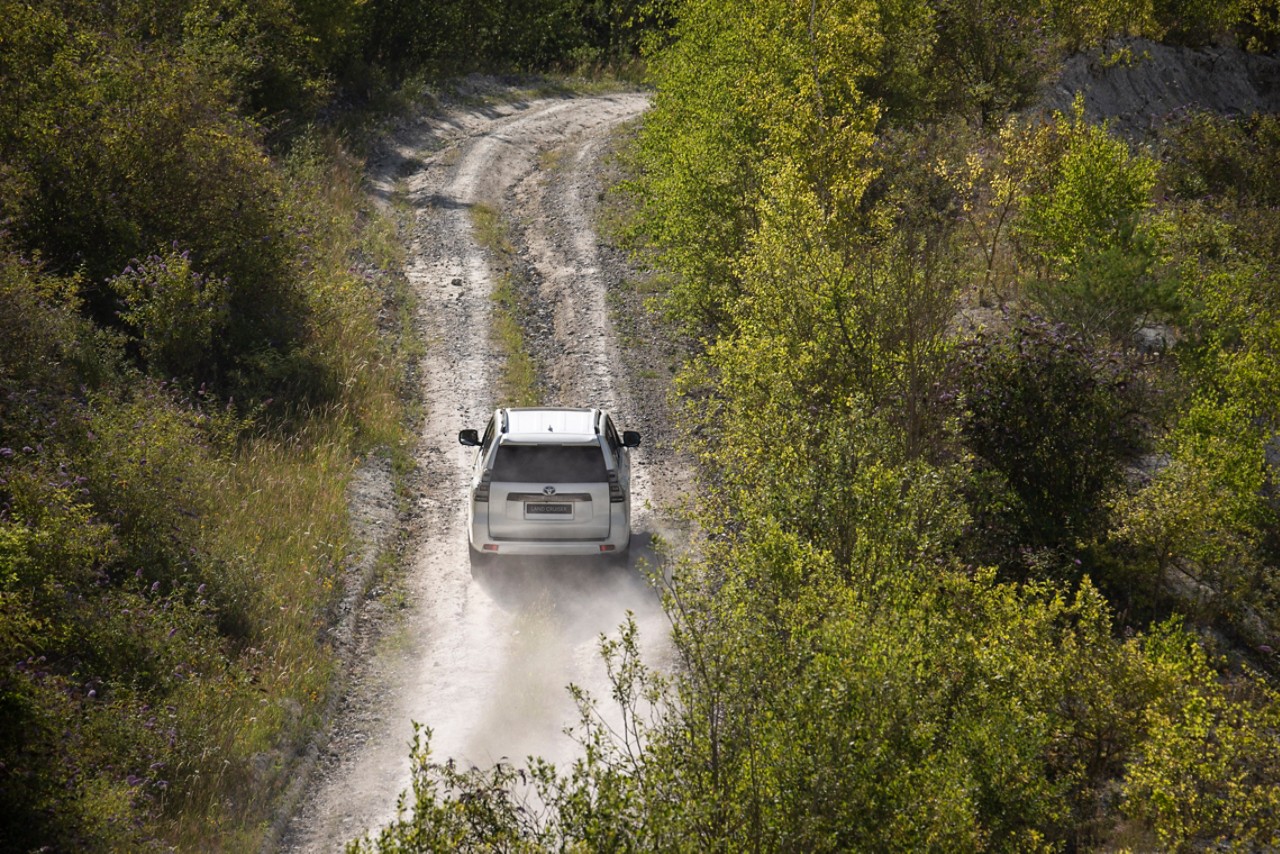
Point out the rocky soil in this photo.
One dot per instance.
(1139, 86)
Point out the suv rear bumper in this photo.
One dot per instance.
(615, 544)
(544, 548)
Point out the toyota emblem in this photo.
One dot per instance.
(548, 490)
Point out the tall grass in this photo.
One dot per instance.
(281, 536)
(518, 379)
(279, 531)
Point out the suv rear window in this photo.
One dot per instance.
(549, 464)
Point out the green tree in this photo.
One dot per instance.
(748, 92)
(990, 57)
(1081, 228)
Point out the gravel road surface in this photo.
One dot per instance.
(484, 661)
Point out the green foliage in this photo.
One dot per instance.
(935, 713)
(1219, 157)
(1202, 526)
(1056, 421)
(867, 740)
(478, 809)
(1202, 522)
(50, 347)
(1207, 770)
(117, 150)
(988, 186)
(1189, 22)
(1092, 197)
(1258, 28)
(152, 559)
(812, 709)
(823, 396)
(990, 57)
(142, 457)
(87, 635)
(178, 313)
(162, 571)
(275, 59)
(123, 152)
(523, 35)
(1081, 228)
(1223, 228)
(753, 99)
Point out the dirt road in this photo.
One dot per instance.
(484, 661)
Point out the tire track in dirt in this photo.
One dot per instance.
(484, 661)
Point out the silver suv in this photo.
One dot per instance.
(550, 482)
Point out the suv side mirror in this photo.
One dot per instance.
(630, 439)
(470, 438)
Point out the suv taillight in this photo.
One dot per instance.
(616, 495)
(482, 488)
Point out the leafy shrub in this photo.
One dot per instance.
(1200, 525)
(146, 464)
(940, 712)
(1222, 168)
(1258, 29)
(1216, 156)
(1207, 770)
(990, 58)
(1190, 22)
(533, 35)
(50, 350)
(1054, 418)
(162, 571)
(755, 99)
(72, 642)
(1081, 228)
(120, 148)
(178, 313)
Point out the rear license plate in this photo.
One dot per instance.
(543, 508)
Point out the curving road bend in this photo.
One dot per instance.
(484, 662)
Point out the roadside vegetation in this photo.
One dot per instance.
(201, 336)
(990, 548)
(518, 378)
